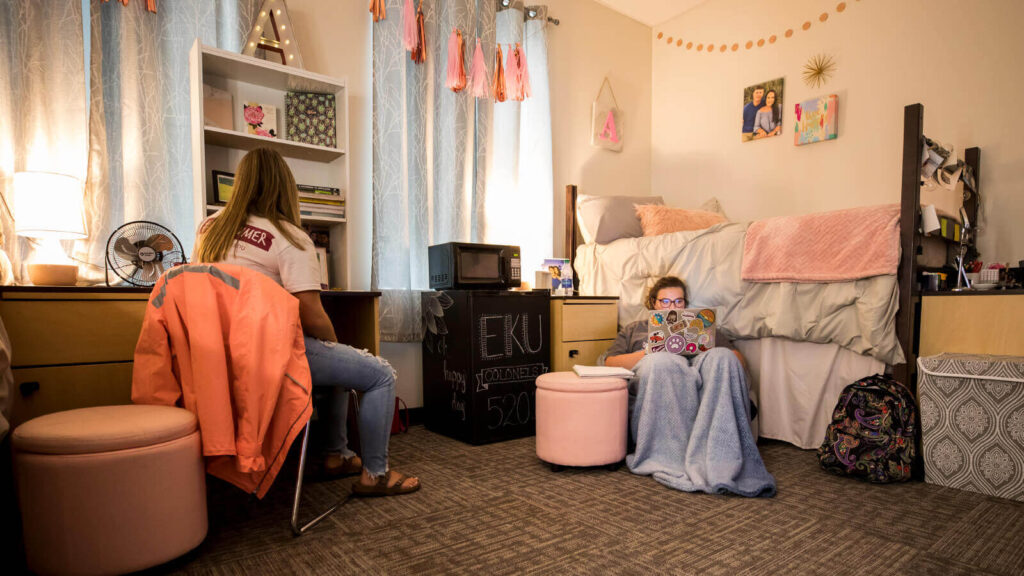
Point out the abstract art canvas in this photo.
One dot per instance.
(816, 120)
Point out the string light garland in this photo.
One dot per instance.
(749, 44)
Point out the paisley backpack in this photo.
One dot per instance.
(872, 434)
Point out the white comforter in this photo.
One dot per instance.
(858, 315)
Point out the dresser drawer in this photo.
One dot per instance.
(566, 354)
(39, 391)
(72, 331)
(587, 320)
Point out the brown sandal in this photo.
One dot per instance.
(346, 467)
(381, 488)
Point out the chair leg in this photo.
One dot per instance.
(296, 529)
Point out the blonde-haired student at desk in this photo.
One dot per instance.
(260, 229)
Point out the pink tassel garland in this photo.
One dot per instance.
(409, 32)
(478, 73)
(513, 84)
(524, 73)
(378, 9)
(456, 80)
(498, 89)
(419, 54)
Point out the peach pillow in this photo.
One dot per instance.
(657, 220)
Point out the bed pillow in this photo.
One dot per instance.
(657, 220)
(604, 219)
(712, 205)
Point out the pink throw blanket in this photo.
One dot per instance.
(824, 247)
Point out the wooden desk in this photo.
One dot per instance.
(73, 347)
(982, 322)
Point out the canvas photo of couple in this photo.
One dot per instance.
(762, 110)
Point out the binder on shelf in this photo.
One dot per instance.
(321, 256)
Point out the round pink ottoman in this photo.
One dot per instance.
(110, 489)
(581, 421)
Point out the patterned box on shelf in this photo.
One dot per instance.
(972, 422)
(311, 118)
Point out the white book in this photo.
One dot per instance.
(601, 372)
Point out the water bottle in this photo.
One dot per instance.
(567, 288)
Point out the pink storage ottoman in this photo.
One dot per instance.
(109, 489)
(581, 421)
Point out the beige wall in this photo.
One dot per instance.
(592, 42)
(961, 60)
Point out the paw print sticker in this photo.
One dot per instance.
(675, 343)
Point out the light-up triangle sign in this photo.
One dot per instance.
(272, 33)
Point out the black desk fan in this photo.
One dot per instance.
(138, 252)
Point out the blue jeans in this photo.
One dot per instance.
(343, 368)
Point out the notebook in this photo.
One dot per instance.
(601, 371)
(688, 331)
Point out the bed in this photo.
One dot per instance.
(804, 341)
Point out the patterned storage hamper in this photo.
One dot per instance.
(972, 422)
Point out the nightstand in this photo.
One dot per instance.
(582, 328)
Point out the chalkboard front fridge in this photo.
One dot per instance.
(482, 353)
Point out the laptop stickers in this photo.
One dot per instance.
(688, 332)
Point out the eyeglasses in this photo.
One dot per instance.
(669, 301)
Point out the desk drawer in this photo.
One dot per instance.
(67, 387)
(564, 355)
(72, 331)
(589, 321)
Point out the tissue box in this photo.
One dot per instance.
(972, 422)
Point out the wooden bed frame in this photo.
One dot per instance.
(908, 316)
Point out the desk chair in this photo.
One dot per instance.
(195, 315)
(300, 530)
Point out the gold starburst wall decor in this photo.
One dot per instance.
(818, 70)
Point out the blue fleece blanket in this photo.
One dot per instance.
(690, 421)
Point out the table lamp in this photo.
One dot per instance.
(48, 206)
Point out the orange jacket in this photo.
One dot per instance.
(225, 343)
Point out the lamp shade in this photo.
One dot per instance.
(48, 205)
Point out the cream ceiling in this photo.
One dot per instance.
(651, 12)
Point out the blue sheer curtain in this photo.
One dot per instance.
(140, 161)
(43, 109)
(113, 113)
(429, 155)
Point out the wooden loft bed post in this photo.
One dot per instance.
(910, 202)
(571, 241)
(570, 221)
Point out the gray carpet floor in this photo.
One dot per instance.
(496, 509)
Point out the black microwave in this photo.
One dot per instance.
(462, 265)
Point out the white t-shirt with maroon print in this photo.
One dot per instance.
(261, 247)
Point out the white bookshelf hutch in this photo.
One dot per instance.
(251, 79)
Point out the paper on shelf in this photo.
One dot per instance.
(601, 371)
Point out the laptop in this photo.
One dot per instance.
(688, 332)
